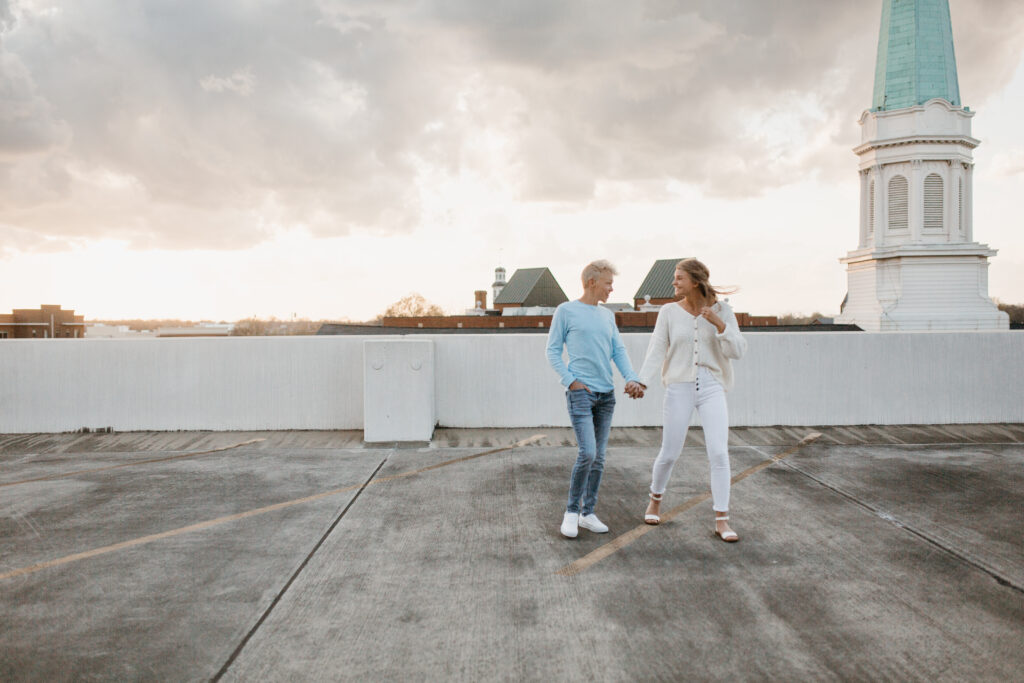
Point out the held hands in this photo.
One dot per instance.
(713, 318)
(635, 389)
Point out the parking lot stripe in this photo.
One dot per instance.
(621, 541)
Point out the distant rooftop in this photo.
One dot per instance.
(531, 287)
(658, 283)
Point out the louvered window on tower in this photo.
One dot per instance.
(898, 217)
(933, 203)
(871, 208)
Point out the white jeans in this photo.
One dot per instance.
(708, 397)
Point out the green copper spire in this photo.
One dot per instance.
(915, 55)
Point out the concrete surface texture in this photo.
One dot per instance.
(870, 553)
(245, 383)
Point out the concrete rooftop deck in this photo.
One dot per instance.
(870, 553)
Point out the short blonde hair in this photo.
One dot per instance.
(593, 270)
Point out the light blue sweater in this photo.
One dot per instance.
(592, 339)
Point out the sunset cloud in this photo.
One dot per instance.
(214, 124)
(241, 81)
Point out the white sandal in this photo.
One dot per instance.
(729, 536)
(653, 519)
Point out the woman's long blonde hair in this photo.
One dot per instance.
(699, 273)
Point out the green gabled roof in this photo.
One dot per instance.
(532, 287)
(658, 282)
(915, 55)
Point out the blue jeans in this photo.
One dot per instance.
(591, 416)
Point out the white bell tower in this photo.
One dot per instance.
(917, 266)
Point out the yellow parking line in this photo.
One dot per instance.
(250, 513)
(621, 541)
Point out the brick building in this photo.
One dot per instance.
(45, 322)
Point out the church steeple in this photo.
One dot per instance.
(916, 265)
(915, 60)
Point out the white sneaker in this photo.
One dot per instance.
(592, 523)
(570, 524)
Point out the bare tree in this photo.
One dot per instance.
(412, 306)
(256, 327)
(250, 327)
(1015, 311)
(798, 319)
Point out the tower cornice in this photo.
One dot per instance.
(965, 140)
(935, 102)
(936, 122)
(970, 249)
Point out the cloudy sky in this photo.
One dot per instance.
(217, 160)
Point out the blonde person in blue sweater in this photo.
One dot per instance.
(588, 332)
(694, 343)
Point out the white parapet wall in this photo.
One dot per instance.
(234, 383)
(786, 378)
(489, 380)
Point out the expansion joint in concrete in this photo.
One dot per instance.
(284, 589)
(923, 535)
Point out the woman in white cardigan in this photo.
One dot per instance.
(694, 341)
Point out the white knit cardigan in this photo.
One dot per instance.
(681, 342)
